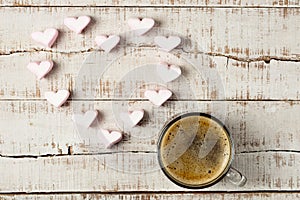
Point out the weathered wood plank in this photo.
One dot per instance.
(229, 31)
(152, 196)
(37, 128)
(211, 77)
(164, 3)
(137, 172)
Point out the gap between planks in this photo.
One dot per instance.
(70, 154)
(194, 192)
(291, 101)
(149, 6)
(266, 59)
(161, 3)
(153, 6)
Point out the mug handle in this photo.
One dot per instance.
(235, 177)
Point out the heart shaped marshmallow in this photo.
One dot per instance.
(46, 38)
(140, 26)
(57, 99)
(168, 72)
(40, 69)
(158, 97)
(85, 120)
(109, 138)
(132, 118)
(167, 43)
(107, 43)
(77, 24)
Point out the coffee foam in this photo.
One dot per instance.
(195, 150)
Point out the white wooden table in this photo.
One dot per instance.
(253, 46)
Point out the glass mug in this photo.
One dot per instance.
(195, 151)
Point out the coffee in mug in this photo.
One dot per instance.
(195, 150)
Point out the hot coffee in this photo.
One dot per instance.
(195, 151)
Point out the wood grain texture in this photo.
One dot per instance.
(212, 77)
(232, 32)
(248, 53)
(37, 128)
(151, 196)
(137, 172)
(164, 3)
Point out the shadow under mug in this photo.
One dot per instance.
(179, 143)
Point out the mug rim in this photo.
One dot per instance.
(168, 124)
